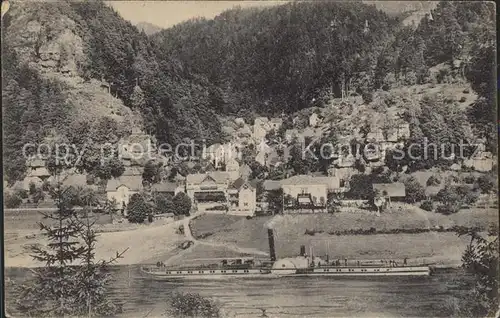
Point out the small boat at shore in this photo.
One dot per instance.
(302, 265)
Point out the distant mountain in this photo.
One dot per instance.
(148, 28)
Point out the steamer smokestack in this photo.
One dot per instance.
(302, 250)
(272, 251)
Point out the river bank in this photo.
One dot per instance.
(224, 236)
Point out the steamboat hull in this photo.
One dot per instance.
(207, 274)
(357, 271)
(288, 272)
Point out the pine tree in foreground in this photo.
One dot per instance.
(52, 291)
(93, 275)
(481, 260)
(72, 282)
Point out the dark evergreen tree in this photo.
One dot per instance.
(182, 203)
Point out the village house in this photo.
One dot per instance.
(291, 134)
(37, 173)
(309, 133)
(122, 188)
(263, 125)
(390, 191)
(244, 134)
(137, 146)
(220, 154)
(239, 121)
(245, 172)
(266, 155)
(73, 178)
(168, 188)
(317, 188)
(482, 162)
(398, 134)
(345, 161)
(214, 153)
(207, 189)
(314, 120)
(305, 189)
(273, 159)
(372, 153)
(231, 151)
(242, 198)
(233, 169)
(271, 185)
(260, 128)
(375, 136)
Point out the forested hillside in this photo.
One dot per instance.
(280, 58)
(283, 58)
(244, 62)
(53, 50)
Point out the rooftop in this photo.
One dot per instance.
(134, 183)
(331, 182)
(75, 179)
(39, 172)
(36, 163)
(270, 185)
(245, 170)
(164, 187)
(238, 183)
(197, 178)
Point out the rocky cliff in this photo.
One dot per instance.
(51, 40)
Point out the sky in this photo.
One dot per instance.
(168, 13)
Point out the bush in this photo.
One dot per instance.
(485, 183)
(411, 78)
(193, 305)
(463, 99)
(446, 209)
(378, 170)
(23, 194)
(468, 196)
(466, 91)
(454, 179)
(433, 181)
(38, 196)
(182, 203)
(469, 179)
(46, 186)
(138, 209)
(12, 201)
(414, 190)
(32, 188)
(367, 96)
(427, 205)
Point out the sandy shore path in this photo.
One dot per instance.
(145, 243)
(174, 259)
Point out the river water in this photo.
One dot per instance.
(433, 296)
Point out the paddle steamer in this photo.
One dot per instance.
(301, 265)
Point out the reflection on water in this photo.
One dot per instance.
(291, 297)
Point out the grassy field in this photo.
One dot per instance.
(28, 219)
(443, 248)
